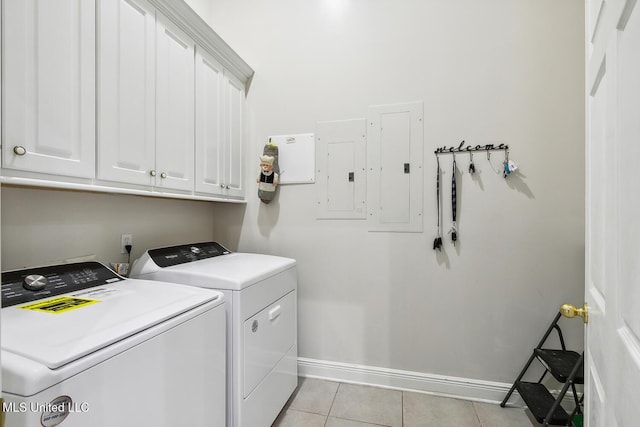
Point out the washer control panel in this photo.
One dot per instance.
(20, 286)
(174, 255)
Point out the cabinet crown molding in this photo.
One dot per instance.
(181, 14)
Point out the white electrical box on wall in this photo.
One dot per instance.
(296, 158)
(341, 169)
(395, 157)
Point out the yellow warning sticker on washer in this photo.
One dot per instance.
(60, 305)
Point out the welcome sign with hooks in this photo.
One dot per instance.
(508, 167)
(462, 149)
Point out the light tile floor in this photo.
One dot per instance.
(320, 403)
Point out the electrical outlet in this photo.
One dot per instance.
(125, 239)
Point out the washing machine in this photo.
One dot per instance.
(262, 343)
(83, 346)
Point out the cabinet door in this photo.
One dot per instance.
(234, 136)
(209, 124)
(49, 86)
(126, 91)
(175, 86)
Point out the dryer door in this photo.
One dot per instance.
(268, 337)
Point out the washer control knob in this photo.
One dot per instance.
(35, 282)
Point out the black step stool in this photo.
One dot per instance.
(566, 367)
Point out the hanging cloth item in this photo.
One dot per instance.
(437, 243)
(269, 173)
(454, 202)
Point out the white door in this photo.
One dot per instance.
(175, 93)
(1, 27)
(49, 86)
(612, 286)
(126, 91)
(209, 124)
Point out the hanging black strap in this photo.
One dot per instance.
(437, 243)
(454, 199)
(438, 194)
(454, 203)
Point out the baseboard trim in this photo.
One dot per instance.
(462, 388)
(440, 385)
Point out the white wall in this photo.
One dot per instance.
(496, 70)
(42, 226)
(501, 70)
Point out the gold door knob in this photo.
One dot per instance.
(570, 310)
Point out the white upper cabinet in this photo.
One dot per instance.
(219, 129)
(49, 87)
(146, 97)
(126, 91)
(100, 95)
(174, 107)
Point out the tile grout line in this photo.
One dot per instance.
(402, 409)
(475, 411)
(361, 422)
(332, 402)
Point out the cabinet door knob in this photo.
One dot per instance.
(222, 185)
(227, 187)
(152, 173)
(19, 150)
(163, 175)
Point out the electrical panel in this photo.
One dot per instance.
(395, 157)
(341, 169)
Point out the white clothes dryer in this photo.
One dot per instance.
(262, 343)
(87, 347)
